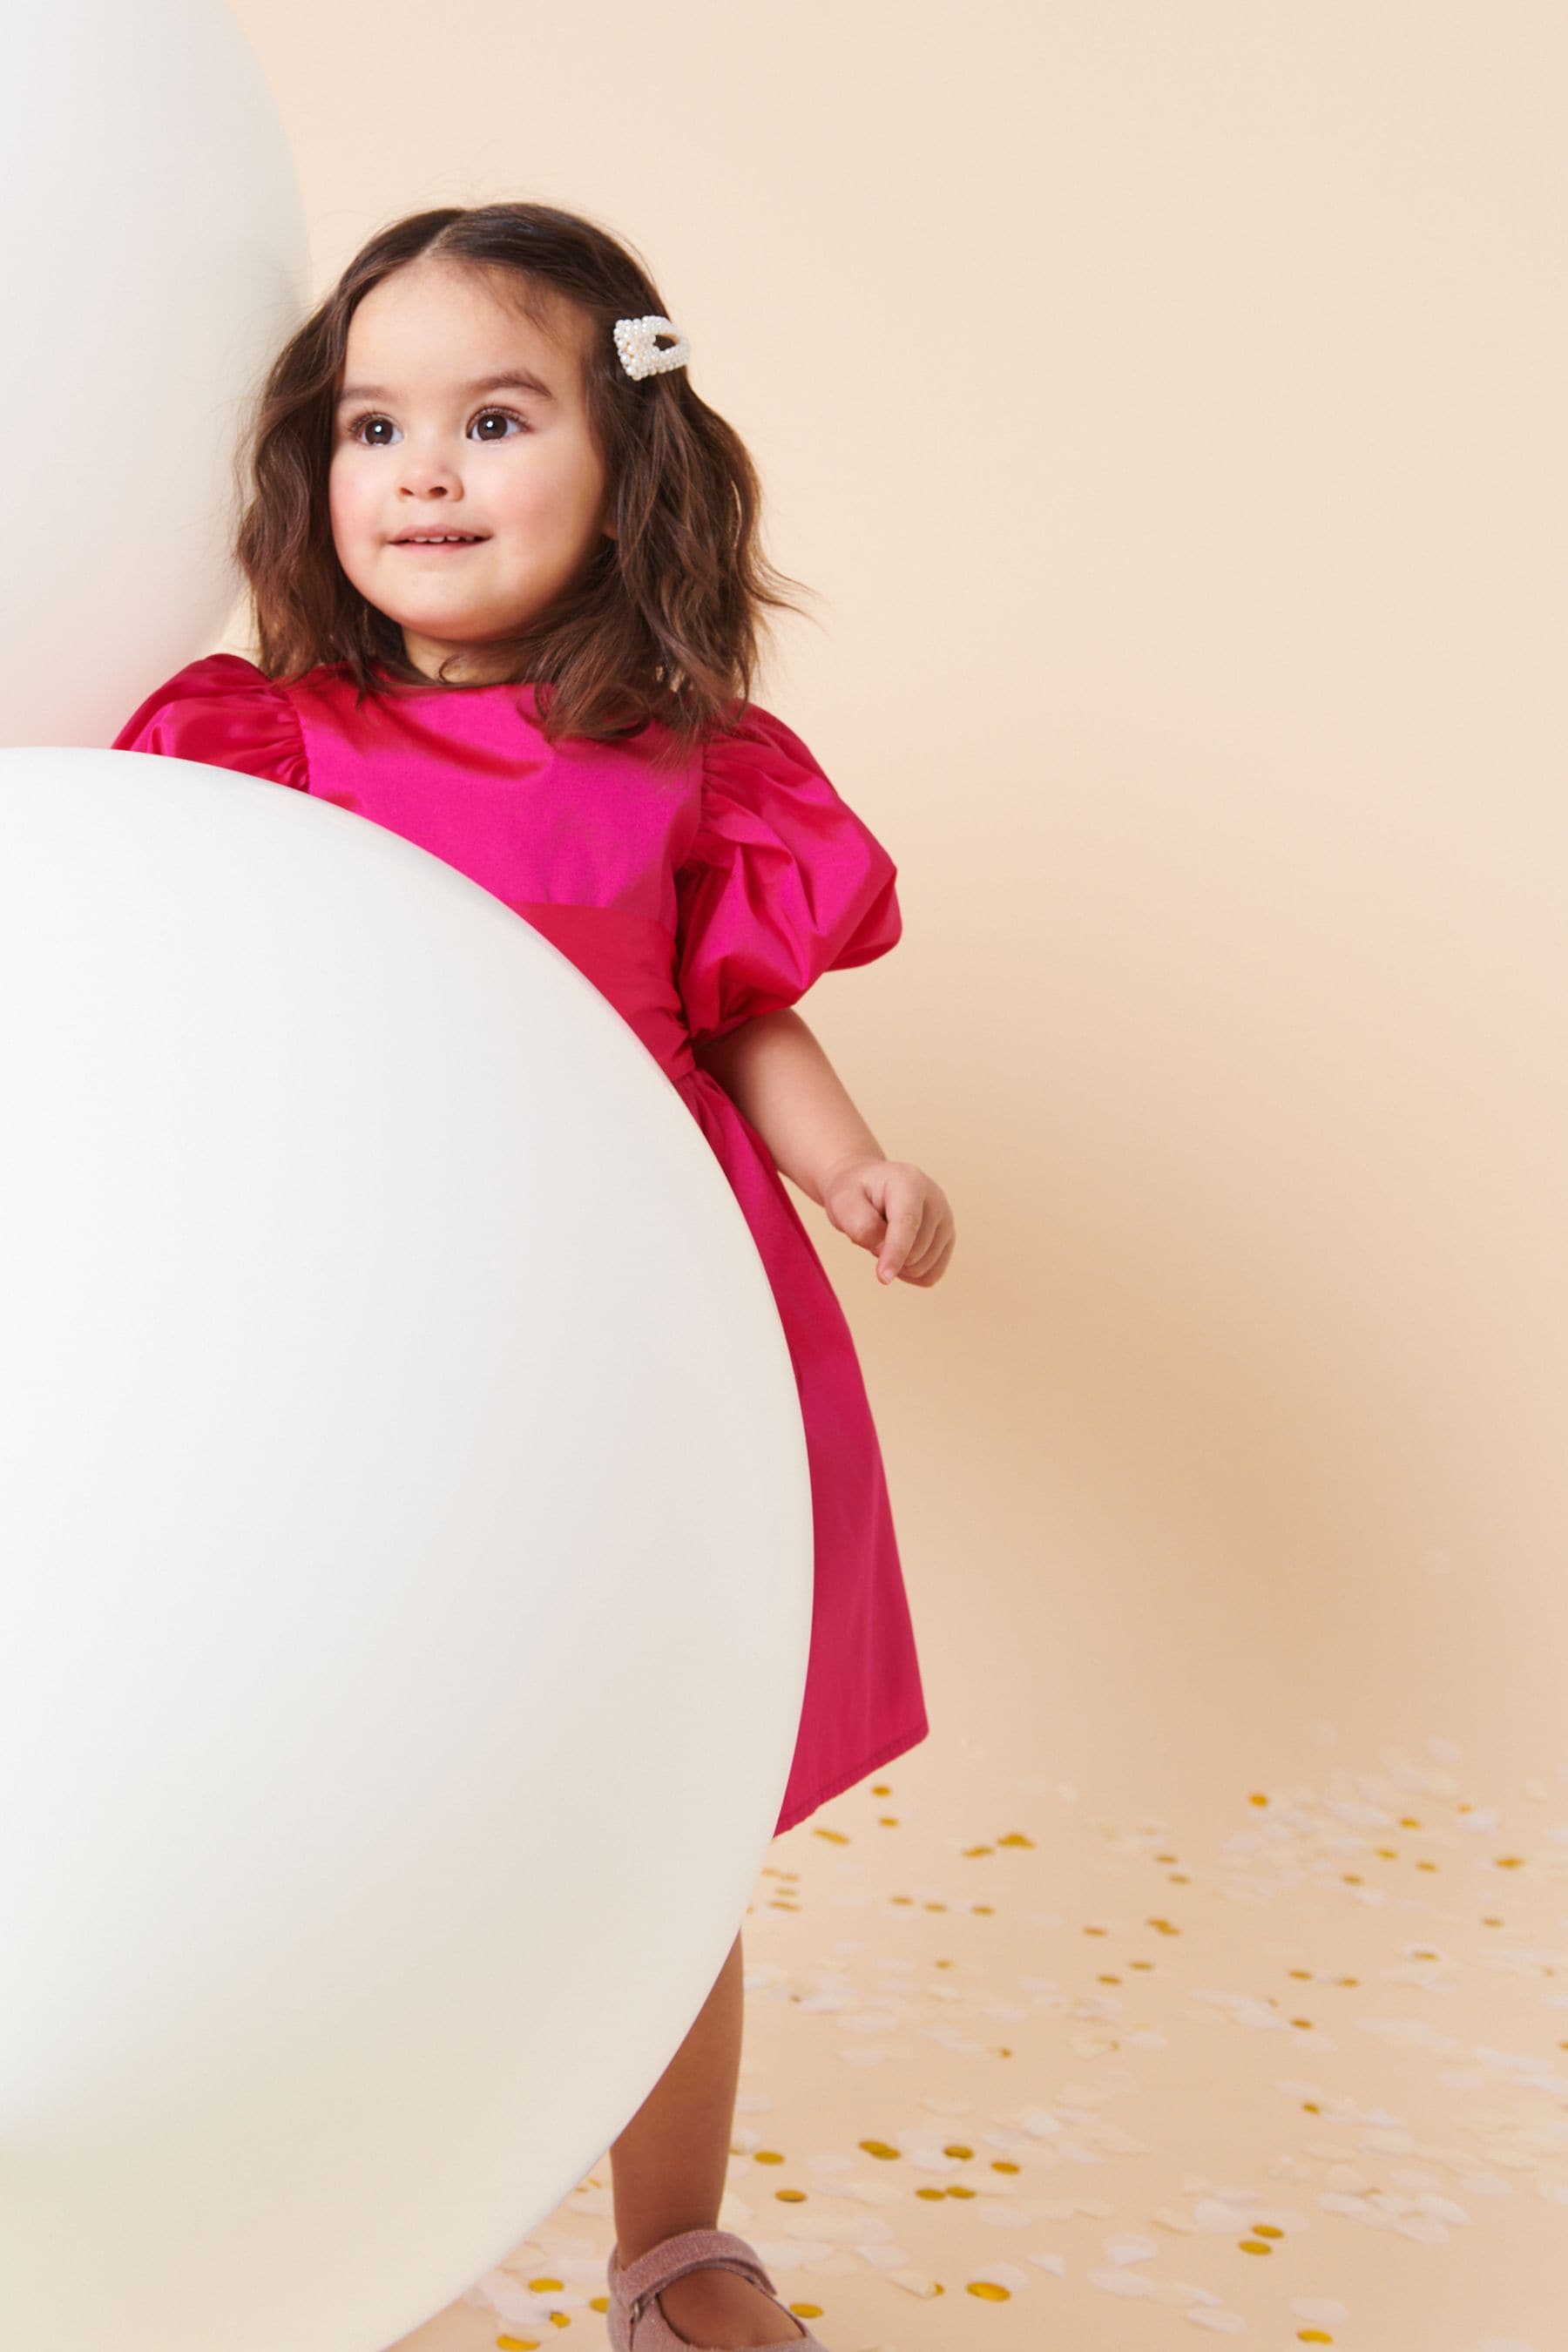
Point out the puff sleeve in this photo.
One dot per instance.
(782, 881)
(225, 712)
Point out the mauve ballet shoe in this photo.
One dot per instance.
(637, 2324)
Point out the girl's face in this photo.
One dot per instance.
(427, 439)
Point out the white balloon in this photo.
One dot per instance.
(154, 256)
(405, 1556)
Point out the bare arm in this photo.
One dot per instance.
(778, 1076)
(773, 1069)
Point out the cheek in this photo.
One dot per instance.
(543, 503)
(524, 500)
(345, 501)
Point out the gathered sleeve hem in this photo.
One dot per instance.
(226, 713)
(782, 881)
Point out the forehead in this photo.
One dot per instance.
(436, 328)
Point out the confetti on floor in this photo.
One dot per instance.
(1005, 2070)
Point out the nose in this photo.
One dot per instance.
(428, 477)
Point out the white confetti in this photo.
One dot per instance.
(790, 2253)
(913, 2282)
(840, 2229)
(1126, 2282)
(1211, 2214)
(1132, 2249)
(1364, 2165)
(870, 2193)
(1005, 2274)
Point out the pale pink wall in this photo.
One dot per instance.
(1168, 404)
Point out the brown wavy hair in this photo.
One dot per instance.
(662, 623)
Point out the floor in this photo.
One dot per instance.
(1011, 2067)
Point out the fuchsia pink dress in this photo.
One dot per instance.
(695, 899)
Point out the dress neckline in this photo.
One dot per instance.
(524, 687)
(434, 686)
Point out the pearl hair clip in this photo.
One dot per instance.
(640, 355)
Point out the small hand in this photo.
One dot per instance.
(895, 1209)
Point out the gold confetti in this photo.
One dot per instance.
(1357, 2164)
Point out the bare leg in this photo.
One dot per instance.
(669, 2166)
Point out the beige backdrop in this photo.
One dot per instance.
(1167, 403)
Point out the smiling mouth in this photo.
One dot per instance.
(465, 539)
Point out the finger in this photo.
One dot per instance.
(904, 1227)
(931, 1247)
(906, 1223)
(940, 1268)
(926, 1242)
(863, 1221)
(933, 1271)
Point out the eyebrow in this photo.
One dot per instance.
(514, 380)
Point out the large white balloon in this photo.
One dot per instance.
(154, 256)
(405, 1561)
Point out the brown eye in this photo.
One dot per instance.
(372, 417)
(499, 412)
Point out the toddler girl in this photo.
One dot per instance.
(503, 561)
